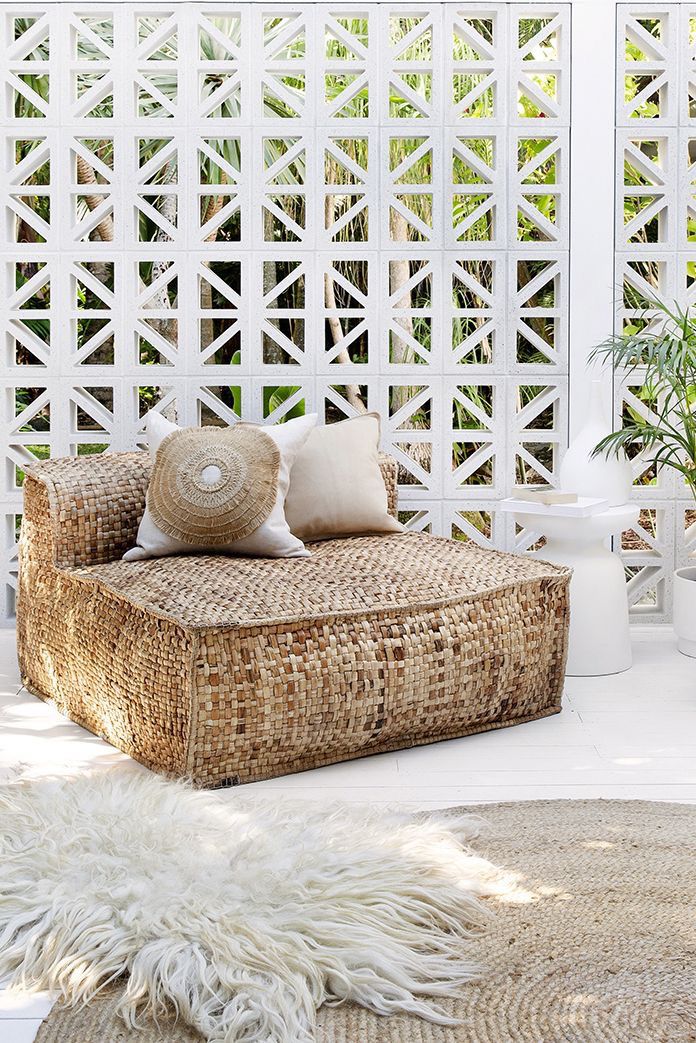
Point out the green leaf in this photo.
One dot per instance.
(660, 365)
(273, 397)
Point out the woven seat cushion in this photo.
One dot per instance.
(355, 576)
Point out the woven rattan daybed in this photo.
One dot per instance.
(234, 669)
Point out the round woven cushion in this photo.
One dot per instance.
(211, 486)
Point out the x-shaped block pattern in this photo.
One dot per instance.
(248, 210)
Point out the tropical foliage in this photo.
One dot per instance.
(662, 364)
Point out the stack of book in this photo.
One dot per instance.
(553, 502)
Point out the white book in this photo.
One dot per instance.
(584, 507)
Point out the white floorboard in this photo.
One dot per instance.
(17, 1030)
(626, 736)
(21, 1007)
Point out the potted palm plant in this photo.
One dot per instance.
(664, 363)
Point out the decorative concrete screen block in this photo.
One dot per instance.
(655, 257)
(252, 210)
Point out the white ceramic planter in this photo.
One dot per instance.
(588, 475)
(685, 609)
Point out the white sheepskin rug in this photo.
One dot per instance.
(239, 915)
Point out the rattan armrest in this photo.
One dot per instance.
(86, 510)
(389, 468)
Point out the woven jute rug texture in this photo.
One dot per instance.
(597, 944)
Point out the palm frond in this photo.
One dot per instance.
(663, 365)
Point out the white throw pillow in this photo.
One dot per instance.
(272, 538)
(336, 485)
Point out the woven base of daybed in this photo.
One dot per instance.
(308, 763)
(231, 670)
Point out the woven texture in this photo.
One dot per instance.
(96, 503)
(232, 670)
(599, 947)
(213, 485)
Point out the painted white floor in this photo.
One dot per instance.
(627, 736)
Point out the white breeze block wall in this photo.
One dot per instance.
(234, 210)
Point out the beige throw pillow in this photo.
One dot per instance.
(336, 486)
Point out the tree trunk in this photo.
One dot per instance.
(272, 353)
(167, 208)
(399, 275)
(86, 176)
(207, 328)
(335, 327)
(537, 322)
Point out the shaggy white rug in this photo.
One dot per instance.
(243, 916)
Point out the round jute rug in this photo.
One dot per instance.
(597, 944)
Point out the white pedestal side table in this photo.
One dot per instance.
(599, 641)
